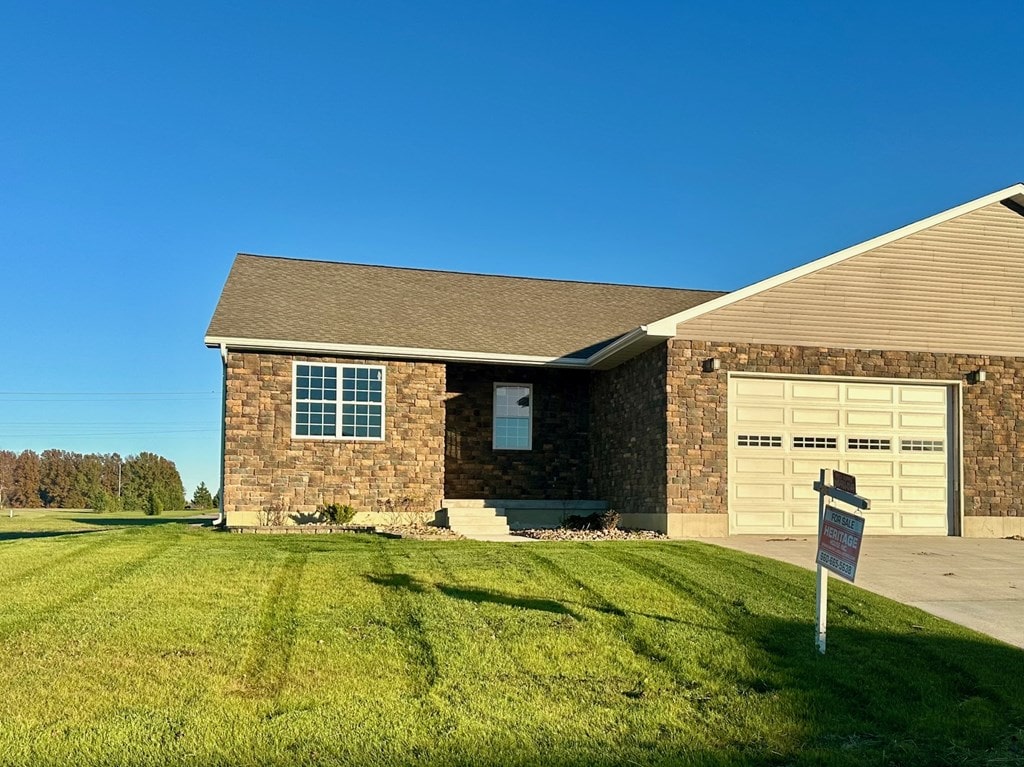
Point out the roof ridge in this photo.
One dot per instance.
(477, 274)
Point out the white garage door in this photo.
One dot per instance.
(895, 438)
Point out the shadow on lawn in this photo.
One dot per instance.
(138, 521)
(29, 534)
(478, 596)
(416, 586)
(497, 598)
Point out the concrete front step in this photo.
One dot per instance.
(473, 521)
(485, 527)
(516, 514)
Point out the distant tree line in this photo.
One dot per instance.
(60, 479)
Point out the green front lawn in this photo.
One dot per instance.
(157, 643)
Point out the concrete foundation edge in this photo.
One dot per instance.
(993, 527)
(680, 525)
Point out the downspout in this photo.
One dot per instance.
(222, 518)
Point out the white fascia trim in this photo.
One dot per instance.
(623, 342)
(667, 325)
(447, 355)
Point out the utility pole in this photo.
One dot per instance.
(119, 476)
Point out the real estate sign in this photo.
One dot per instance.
(839, 542)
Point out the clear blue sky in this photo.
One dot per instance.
(702, 145)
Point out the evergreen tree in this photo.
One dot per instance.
(147, 473)
(201, 498)
(8, 460)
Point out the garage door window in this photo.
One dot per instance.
(921, 445)
(758, 440)
(867, 443)
(819, 443)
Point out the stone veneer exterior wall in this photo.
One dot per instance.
(556, 467)
(628, 438)
(992, 415)
(265, 466)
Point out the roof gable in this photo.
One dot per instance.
(669, 323)
(295, 304)
(954, 286)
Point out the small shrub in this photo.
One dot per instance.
(337, 513)
(154, 506)
(272, 516)
(102, 501)
(407, 511)
(605, 520)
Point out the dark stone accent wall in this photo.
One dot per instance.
(992, 413)
(264, 465)
(629, 435)
(556, 467)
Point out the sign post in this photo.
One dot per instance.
(839, 537)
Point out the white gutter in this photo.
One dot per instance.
(407, 352)
(221, 517)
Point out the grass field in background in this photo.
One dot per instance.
(140, 640)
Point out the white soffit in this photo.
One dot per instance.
(667, 325)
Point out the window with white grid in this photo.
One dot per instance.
(338, 401)
(513, 416)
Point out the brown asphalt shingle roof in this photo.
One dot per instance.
(285, 299)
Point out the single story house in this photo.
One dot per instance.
(899, 360)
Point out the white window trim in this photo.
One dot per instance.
(494, 394)
(339, 437)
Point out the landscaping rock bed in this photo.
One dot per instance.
(564, 534)
(422, 532)
(309, 529)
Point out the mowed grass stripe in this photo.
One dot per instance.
(561, 650)
(58, 553)
(665, 628)
(26, 604)
(265, 668)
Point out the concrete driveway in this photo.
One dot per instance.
(976, 582)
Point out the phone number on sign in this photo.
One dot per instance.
(835, 563)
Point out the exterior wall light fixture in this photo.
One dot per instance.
(977, 376)
(712, 364)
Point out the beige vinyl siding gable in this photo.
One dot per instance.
(955, 287)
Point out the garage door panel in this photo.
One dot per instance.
(877, 493)
(760, 416)
(911, 494)
(810, 467)
(920, 524)
(922, 421)
(760, 520)
(816, 417)
(935, 395)
(869, 393)
(871, 468)
(922, 469)
(893, 437)
(760, 387)
(773, 466)
(806, 390)
(766, 491)
(878, 418)
(802, 492)
(805, 520)
(879, 522)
